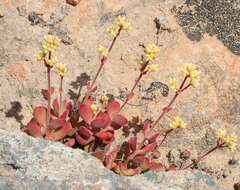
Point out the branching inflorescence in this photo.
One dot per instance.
(92, 127)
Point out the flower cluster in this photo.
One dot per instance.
(229, 139)
(122, 24)
(62, 69)
(152, 68)
(178, 123)
(191, 71)
(51, 43)
(151, 52)
(103, 51)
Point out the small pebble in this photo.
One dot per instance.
(236, 186)
(73, 2)
(233, 161)
(1, 14)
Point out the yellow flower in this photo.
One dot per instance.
(112, 30)
(51, 43)
(221, 134)
(174, 84)
(62, 69)
(178, 123)
(229, 139)
(95, 108)
(123, 23)
(191, 71)
(104, 98)
(152, 50)
(40, 56)
(52, 61)
(103, 51)
(152, 68)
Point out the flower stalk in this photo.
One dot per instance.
(195, 162)
(168, 108)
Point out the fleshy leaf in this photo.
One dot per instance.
(59, 134)
(105, 135)
(113, 108)
(110, 158)
(148, 148)
(56, 107)
(70, 142)
(34, 129)
(40, 115)
(85, 132)
(83, 141)
(86, 112)
(102, 120)
(118, 121)
(146, 128)
(57, 123)
(133, 143)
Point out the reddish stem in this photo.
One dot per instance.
(132, 90)
(49, 95)
(61, 92)
(103, 61)
(167, 108)
(165, 136)
(203, 156)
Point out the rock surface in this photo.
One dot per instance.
(28, 163)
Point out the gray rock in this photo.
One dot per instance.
(31, 163)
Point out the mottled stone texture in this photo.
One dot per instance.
(30, 163)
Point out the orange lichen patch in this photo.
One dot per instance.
(17, 71)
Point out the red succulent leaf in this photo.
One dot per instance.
(156, 153)
(118, 121)
(45, 92)
(70, 142)
(130, 96)
(40, 115)
(110, 158)
(56, 107)
(146, 127)
(64, 115)
(172, 167)
(100, 154)
(132, 142)
(34, 129)
(72, 131)
(86, 112)
(106, 136)
(148, 148)
(140, 159)
(89, 100)
(102, 120)
(69, 106)
(57, 123)
(113, 108)
(85, 132)
(155, 165)
(83, 141)
(153, 137)
(59, 134)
